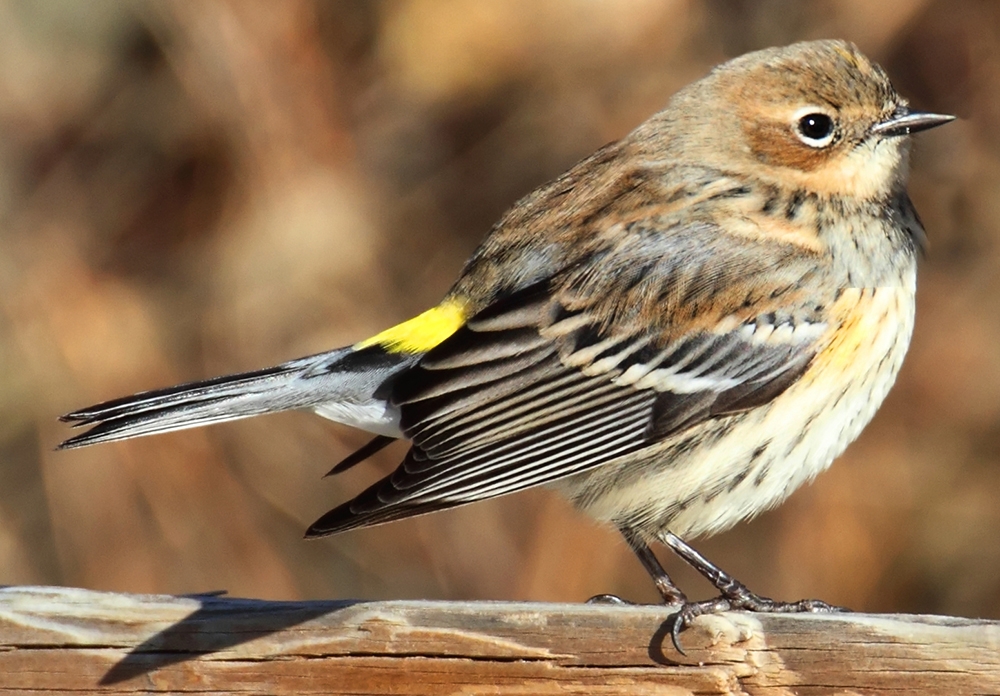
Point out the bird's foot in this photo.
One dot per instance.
(613, 600)
(739, 598)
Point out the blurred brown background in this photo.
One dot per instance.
(194, 188)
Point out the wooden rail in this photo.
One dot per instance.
(71, 641)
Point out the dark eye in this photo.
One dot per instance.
(815, 129)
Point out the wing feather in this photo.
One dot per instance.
(581, 368)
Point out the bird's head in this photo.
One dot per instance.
(816, 115)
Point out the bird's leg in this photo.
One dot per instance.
(670, 593)
(733, 593)
(665, 586)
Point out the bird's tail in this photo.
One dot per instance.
(339, 384)
(348, 385)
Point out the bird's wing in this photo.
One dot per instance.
(594, 363)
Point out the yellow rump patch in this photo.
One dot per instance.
(422, 332)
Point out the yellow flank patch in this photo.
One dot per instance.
(422, 332)
(862, 315)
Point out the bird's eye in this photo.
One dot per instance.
(815, 129)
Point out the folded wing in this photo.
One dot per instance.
(552, 380)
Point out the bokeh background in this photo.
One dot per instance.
(199, 187)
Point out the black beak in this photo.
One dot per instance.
(905, 122)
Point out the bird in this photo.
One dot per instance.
(676, 333)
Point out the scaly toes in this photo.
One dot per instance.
(813, 606)
(611, 599)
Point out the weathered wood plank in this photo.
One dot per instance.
(78, 642)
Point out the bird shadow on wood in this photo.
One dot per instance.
(218, 624)
(663, 636)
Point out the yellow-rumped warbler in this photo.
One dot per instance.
(676, 333)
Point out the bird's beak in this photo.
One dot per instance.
(905, 122)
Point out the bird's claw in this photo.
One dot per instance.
(690, 611)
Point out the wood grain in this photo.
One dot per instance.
(58, 640)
